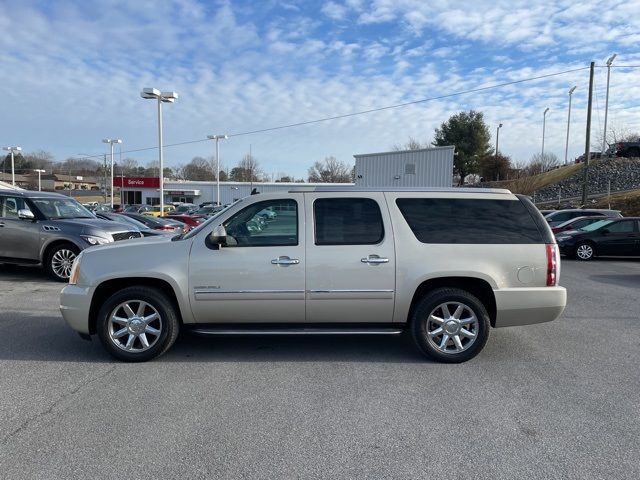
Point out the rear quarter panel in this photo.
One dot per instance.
(501, 266)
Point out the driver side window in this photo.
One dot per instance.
(264, 224)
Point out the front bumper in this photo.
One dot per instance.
(526, 306)
(74, 305)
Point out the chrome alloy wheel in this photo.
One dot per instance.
(452, 327)
(134, 326)
(62, 261)
(584, 251)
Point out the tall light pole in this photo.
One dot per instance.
(111, 141)
(566, 146)
(606, 103)
(544, 124)
(217, 138)
(39, 178)
(161, 97)
(13, 170)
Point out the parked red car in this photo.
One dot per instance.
(191, 220)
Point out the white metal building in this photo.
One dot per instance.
(200, 192)
(429, 167)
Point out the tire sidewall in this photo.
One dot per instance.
(49, 259)
(426, 305)
(159, 301)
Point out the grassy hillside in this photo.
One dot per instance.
(528, 185)
(628, 203)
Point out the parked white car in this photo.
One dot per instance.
(443, 265)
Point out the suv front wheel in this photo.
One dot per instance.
(60, 260)
(137, 324)
(450, 325)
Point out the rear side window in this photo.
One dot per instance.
(347, 221)
(475, 221)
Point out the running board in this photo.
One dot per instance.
(297, 331)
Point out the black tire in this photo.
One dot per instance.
(428, 304)
(582, 250)
(54, 270)
(169, 324)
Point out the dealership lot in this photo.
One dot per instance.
(556, 400)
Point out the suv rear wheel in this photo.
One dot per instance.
(60, 260)
(137, 324)
(450, 325)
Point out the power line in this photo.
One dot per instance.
(364, 112)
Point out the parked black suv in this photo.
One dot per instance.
(51, 229)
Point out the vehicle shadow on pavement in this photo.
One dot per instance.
(632, 280)
(47, 338)
(21, 273)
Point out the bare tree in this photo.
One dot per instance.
(412, 144)
(615, 134)
(248, 170)
(540, 163)
(198, 169)
(330, 171)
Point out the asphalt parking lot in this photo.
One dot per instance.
(557, 400)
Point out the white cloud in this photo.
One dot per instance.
(72, 77)
(334, 10)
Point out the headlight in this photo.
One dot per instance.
(562, 238)
(75, 270)
(93, 240)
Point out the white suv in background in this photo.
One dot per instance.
(442, 265)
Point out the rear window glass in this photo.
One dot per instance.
(472, 221)
(347, 221)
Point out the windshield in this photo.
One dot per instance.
(60, 208)
(596, 225)
(208, 222)
(125, 219)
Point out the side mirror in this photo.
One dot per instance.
(218, 236)
(25, 214)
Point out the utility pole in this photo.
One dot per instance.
(588, 138)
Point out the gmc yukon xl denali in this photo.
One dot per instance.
(442, 265)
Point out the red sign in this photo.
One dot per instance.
(136, 182)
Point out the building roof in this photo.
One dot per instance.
(400, 152)
(30, 193)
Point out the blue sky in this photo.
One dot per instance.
(72, 72)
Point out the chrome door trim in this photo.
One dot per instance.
(217, 290)
(350, 291)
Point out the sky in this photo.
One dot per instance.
(72, 72)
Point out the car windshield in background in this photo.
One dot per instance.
(60, 208)
(596, 225)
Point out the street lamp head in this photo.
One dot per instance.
(546, 110)
(150, 93)
(111, 140)
(217, 137)
(499, 125)
(13, 149)
(168, 97)
(39, 170)
(611, 58)
(572, 90)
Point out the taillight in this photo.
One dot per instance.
(166, 227)
(552, 265)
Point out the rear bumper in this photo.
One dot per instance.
(74, 305)
(526, 306)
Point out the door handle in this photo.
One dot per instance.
(374, 260)
(284, 260)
